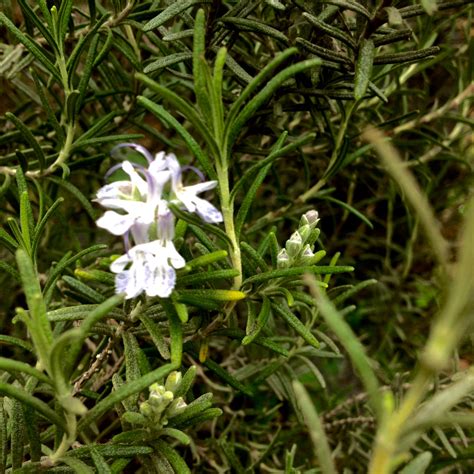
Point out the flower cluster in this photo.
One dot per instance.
(299, 248)
(140, 211)
(162, 404)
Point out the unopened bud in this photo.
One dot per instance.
(283, 261)
(305, 232)
(146, 410)
(293, 244)
(311, 217)
(173, 380)
(307, 255)
(176, 407)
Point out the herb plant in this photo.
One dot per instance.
(226, 225)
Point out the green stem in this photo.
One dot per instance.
(68, 438)
(227, 207)
(382, 461)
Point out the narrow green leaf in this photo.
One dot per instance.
(330, 30)
(324, 53)
(124, 392)
(186, 382)
(79, 467)
(167, 61)
(205, 415)
(182, 106)
(229, 452)
(176, 434)
(198, 224)
(96, 127)
(350, 342)
(11, 365)
(238, 70)
(364, 66)
(295, 323)
(33, 433)
(156, 335)
(176, 332)
(73, 60)
(16, 342)
(47, 106)
(105, 48)
(408, 56)
(3, 437)
(67, 260)
(234, 127)
(35, 49)
(42, 334)
(89, 294)
(249, 198)
(100, 312)
(17, 437)
(419, 464)
(316, 430)
(295, 271)
(99, 462)
(39, 406)
(192, 144)
(199, 278)
(30, 15)
(200, 64)
(86, 73)
(176, 461)
(64, 17)
(430, 6)
(261, 321)
(349, 208)
(254, 256)
(192, 409)
(351, 5)
(247, 24)
(217, 81)
(25, 220)
(28, 136)
(70, 188)
(42, 223)
(94, 142)
(352, 291)
(109, 450)
(132, 367)
(171, 11)
(257, 81)
(207, 259)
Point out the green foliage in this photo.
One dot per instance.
(280, 324)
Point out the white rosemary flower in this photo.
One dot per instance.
(140, 207)
(187, 195)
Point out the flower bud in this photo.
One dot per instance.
(283, 261)
(311, 218)
(305, 231)
(307, 255)
(146, 409)
(173, 380)
(176, 407)
(293, 244)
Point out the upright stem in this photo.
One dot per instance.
(227, 207)
(389, 433)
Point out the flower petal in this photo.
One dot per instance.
(116, 223)
(207, 211)
(120, 264)
(201, 187)
(137, 181)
